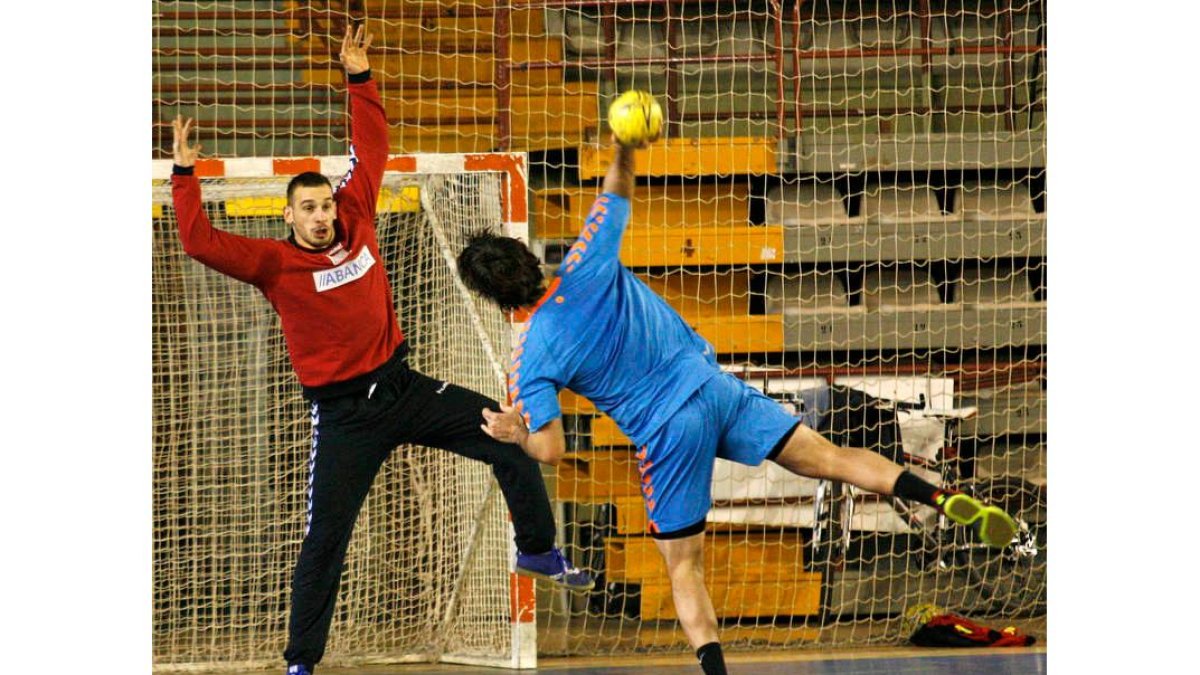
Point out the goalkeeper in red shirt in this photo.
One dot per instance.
(327, 282)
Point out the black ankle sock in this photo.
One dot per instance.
(712, 661)
(909, 486)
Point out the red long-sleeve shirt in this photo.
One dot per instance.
(335, 305)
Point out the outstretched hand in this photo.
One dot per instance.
(505, 426)
(645, 143)
(354, 50)
(185, 155)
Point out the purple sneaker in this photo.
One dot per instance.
(555, 568)
(298, 669)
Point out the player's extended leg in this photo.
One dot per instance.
(810, 454)
(447, 416)
(685, 565)
(676, 467)
(341, 471)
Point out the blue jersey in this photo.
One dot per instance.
(602, 333)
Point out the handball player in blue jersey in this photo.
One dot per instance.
(596, 329)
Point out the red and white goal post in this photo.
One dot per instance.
(429, 573)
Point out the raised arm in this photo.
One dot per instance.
(358, 191)
(242, 258)
(599, 243)
(619, 179)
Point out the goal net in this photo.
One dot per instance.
(427, 575)
(849, 201)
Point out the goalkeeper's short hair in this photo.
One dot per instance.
(306, 179)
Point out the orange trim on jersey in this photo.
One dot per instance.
(647, 482)
(550, 290)
(524, 315)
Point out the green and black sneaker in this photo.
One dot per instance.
(993, 526)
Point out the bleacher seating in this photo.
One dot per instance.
(806, 293)
(900, 288)
(808, 203)
(994, 285)
(993, 201)
(903, 204)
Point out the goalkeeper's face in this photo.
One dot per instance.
(311, 214)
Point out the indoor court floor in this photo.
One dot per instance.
(904, 661)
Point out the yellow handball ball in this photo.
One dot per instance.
(635, 117)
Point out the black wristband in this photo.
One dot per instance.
(359, 78)
(183, 170)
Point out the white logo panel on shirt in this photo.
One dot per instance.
(344, 273)
(337, 254)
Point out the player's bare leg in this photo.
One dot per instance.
(808, 453)
(685, 565)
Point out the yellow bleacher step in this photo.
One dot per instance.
(631, 515)
(561, 212)
(606, 434)
(689, 157)
(597, 477)
(717, 306)
(689, 245)
(452, 32)
(413, 138)
(387, 7)
(574, 404)
(740, 334)
(702, 294)
(736, 334)
(799, 596)
(737, 555)
(462, 68)
(570, 107)
(405, 198)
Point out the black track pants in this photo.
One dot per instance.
(352, 435)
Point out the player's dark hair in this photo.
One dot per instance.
(306, 179)
(501, 269)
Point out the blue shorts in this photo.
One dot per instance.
(724, 418)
